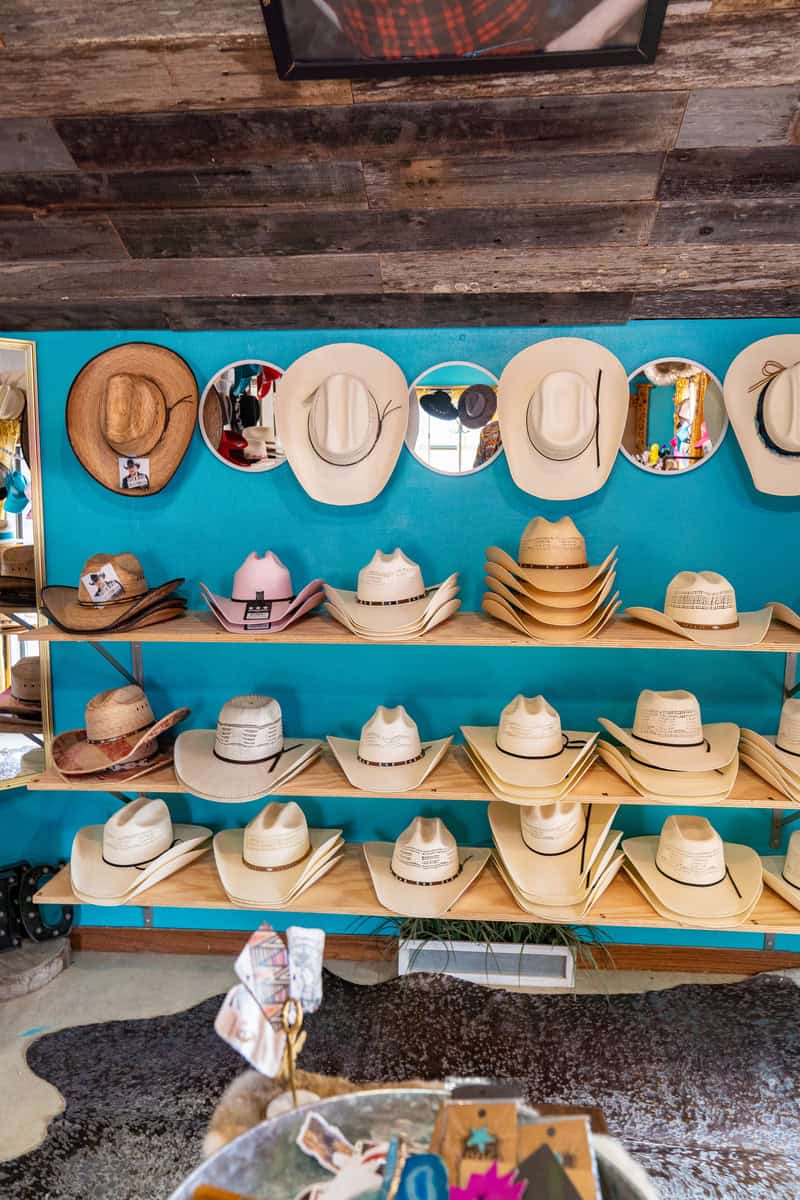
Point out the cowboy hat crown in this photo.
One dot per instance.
(389, 738)
(690, 851)
(389, 579)
(552, 544)
(530, 728)
(344, 423)
(701, 600)
(249, 729)
(139, 832)
(562, 415)
(277, 837)
(668, 718)
(552, 828)
(788, 737)
(781, 410)
(425, 852)
(118, 713)
(266, 575)
(133, 413)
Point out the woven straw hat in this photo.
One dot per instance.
(783, 747)
(133, 401)
(668, 732)
(701, 606)
(24, 697)
(112, 589)
(782, 872)
(16, 566)
(390, 597)
(528, 746)
(120, 728)
(389, 756)
(552, 557)
(424, 872)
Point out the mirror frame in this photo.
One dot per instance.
(725, 423)
(266, 470)
(451, 362)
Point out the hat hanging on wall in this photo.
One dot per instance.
(131, 412)
(424, 872)
(342, 411)
(701, 606)
(762, 396)
(262, 597)
(562, 406)
(112, 593)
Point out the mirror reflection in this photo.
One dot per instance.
(452, 418)
(676, 416)
(237, 416)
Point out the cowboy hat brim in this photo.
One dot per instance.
(273, 888)
(203, 774)
(769, 769)
(550, 615)
(570, 618)
(62, 606)
(690, 922)
(528, 796)
(531, 470)
(773, 474)
(234, 612)
(96, 877)
(784, 614)
(385, 781)
(497, 606)
(549, 876)
(661, 786)
(605, 854)
(772, 867)
(750, 631)
(718, 901)
(788, 763)
(324, 481)
(438, 617)
(720, 744)
(12, 705)
(277, 626)
(563, 913)
(521, 772)
(84, 406)
(393, 618)
(307, 883)
(171, 867)
(555, 579)
(116, 776)
(412, 899)
(73, 754)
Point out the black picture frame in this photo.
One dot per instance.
(291, 68)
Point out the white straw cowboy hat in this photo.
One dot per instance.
(784, 746)
(549, 849)
(424, 872)
(762, 396)
(511, 794)
(262, 595)
(389, 756)
(552, 557)
(274, 857)
(246, 757)
(108, 861)
(562, 406)
(662, 784)
(391, 595)
(342, 412)
(782, 871)
(24, 696)
(120, 730)
(568, 913)
(668, 732)
(528, 746)
(692, 872)
(112, 590)
(701, 606)
(135, 401)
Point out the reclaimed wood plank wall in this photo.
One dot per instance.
(155, 173)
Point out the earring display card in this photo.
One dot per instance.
(475, 1135)
(564, 1142)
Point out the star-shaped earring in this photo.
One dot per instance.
(480, 1139)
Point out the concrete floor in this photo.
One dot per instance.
(102, 987)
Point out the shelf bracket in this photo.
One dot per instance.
(115, 663)
(122, 798)
(34, 737)
(137, 666)
(147, 917)
(769, 941)
(779, 823)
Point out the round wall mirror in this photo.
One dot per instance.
(237, 416)
(452, 418)
(676, 416)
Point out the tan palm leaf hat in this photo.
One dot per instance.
(136, 401)
(562, 405)
(528, 747)
(668, 732)
(692, 872)
(762, 396)
(701, 606)
(389, 756)
(424, 872)
(782, 871)
(342, 412)
(120, 730)
(112, 591)
(24, 696)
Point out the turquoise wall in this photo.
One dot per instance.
(209, 517)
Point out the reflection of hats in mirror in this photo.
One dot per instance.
(12, 401)
(477, 405)
(439, 404)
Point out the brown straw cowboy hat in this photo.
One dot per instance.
(24, 697)
(120, 729)
(111, 593)
(133, 402)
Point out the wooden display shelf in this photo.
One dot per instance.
(347, 890)
(464, 629)
(454, 779)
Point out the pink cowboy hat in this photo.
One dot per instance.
(262, 595)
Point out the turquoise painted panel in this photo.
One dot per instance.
(209, 517)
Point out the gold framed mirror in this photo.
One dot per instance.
(25, 695)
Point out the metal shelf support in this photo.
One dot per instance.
(136, 673)
(790, 688)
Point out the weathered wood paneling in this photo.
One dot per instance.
(220, 233)
(33, 239)
(36, 23)
(741, 117)
(737, 173)
(32, 145)
(729, 221)
(691, 306)
(556, 125)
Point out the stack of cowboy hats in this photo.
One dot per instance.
(246, 757)
(701, 606)
(135, 403)
(424, 872)
(782, 871)
(562, 405)
(122, 739)
(776, 757)
(762, 396)
(138, 846)
(342, 413)
(389, 756)
(17, 578)
(262, 597)
(691, 877)
(527, 758)
(275, 857)
(669, 754)
(556, 859)
(112, 596)
(391, 601)
(551, 593)
(22, 701)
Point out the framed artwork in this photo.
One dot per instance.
(329, 39)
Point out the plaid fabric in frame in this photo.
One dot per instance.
(429, 28)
